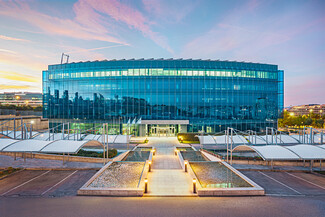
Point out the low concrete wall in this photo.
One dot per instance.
(91, 191)
(250, 191)
(255, 190)
(120, 156)
(121, 192)
(210, 156)
(189, 169)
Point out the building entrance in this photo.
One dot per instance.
(162, 130)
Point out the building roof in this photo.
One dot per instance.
(190, 63)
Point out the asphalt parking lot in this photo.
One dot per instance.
(288, 183)
(53, 193)
(44, 183)
(60, 183)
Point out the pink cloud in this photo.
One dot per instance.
(3, 37)
(56, 26)
(123, 13)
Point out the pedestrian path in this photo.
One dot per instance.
(167, 177)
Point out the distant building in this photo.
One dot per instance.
(307, 109)
(21, 98)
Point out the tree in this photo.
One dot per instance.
(309, 121)
(319, 123)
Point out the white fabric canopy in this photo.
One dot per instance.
(112, 139)
(238, 139)
(270, 152)
(259, 140)
(294, 152)
(308, 152)
(318, 138)
(57, 146)
(68, 146)
(288, 139)
(6, 142)
(122, 139)
(221, 140)
(321, 146)
(26, 146)
(206, 140)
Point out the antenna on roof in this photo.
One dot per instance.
(64, 55)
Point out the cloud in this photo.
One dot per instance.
(3, 37)
(123, 13)
(26, 61)
(7, 51)
(14, 76)
(54, 25)
(15, 87)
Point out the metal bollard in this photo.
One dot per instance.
(185, 166)
(194, 186)
(176, 152)
(145, 185)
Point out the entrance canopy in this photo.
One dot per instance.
(165, 122)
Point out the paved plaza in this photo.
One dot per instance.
(53, 191)
(167, 177)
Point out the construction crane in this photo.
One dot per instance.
(64, 55)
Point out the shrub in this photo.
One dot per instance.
(187, 137)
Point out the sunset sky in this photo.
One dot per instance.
(291, 34)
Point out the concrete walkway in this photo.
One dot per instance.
(167, 177)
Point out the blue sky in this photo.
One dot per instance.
(290, 33)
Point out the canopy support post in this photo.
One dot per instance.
(63, 159)
(320, 164)
(231, 146)
(104, 153)
(107, 154)
(311, 165)
(227, 144)
(304, 163)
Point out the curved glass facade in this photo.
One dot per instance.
(210, 95)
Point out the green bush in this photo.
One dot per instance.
(8, 171)
(187, 137)
(111, 153)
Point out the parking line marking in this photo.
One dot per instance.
(284, 195)
(306, 180)
(280, 182)
(24, 183)
(59, 182)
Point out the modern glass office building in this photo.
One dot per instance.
(163, 96)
